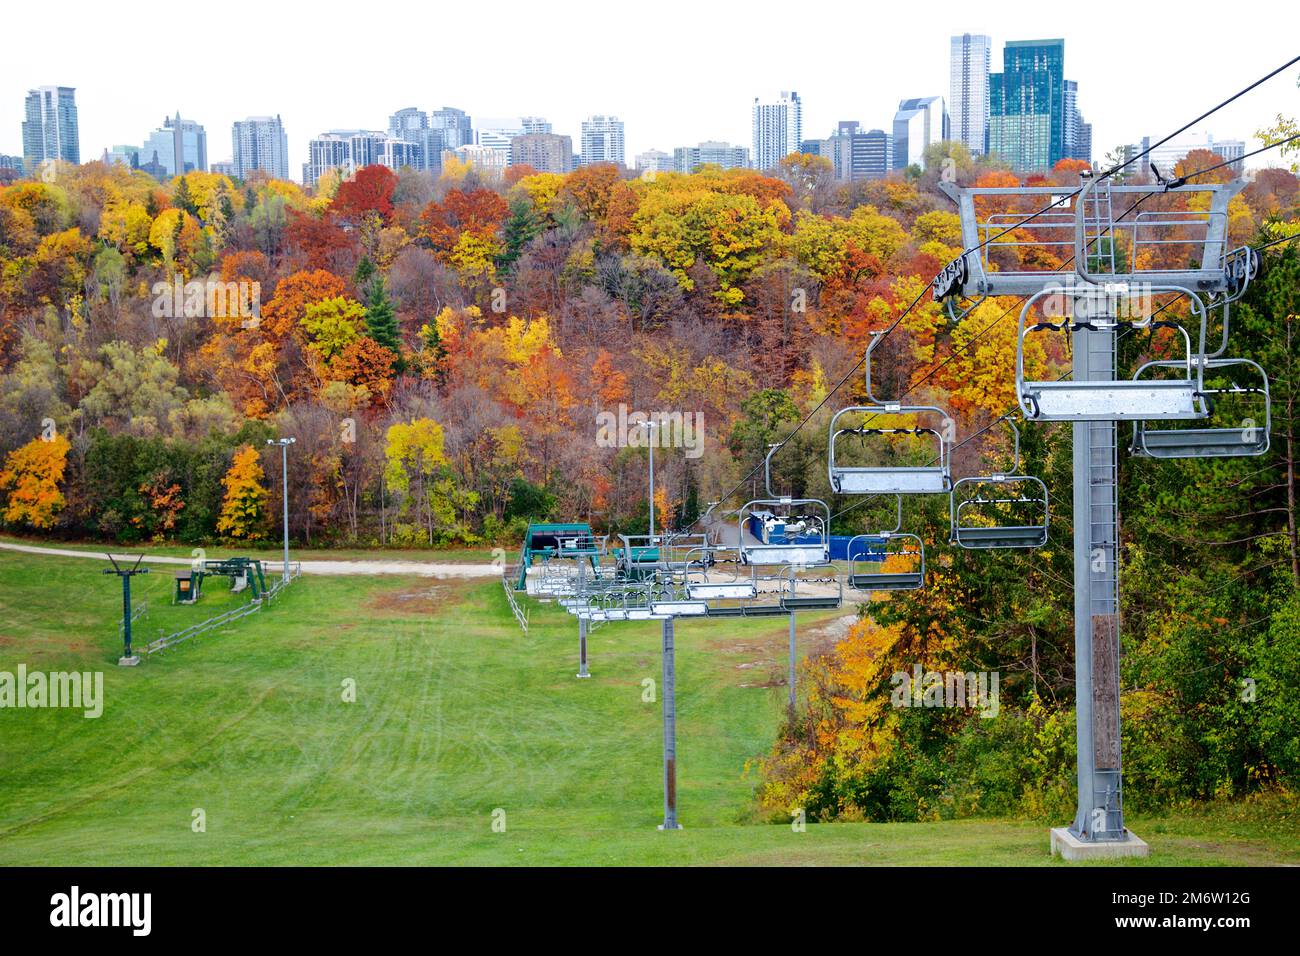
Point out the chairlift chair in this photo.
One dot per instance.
(1001, 510)
(934, 478)
(808, 544)
(1246, 438)
(1095, 308)
(795, 600)
(880, 548)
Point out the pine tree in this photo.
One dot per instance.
(519, 230)
(363, 273)
(381, 319)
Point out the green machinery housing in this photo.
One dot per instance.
(545, 540)
(244, 573)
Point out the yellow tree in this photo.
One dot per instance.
(244, 507)
(413, 456)
(31, 475)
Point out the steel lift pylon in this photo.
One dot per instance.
(1084, 224)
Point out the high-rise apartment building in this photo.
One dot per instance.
(777, 129)
(968, 90)
(532, 125)
(456, 126)
(687, 159)
(857, 155)
(260, 145)
(178, 146)
(919, 123)
(545, 152)
(602, 140)
(50, 127)
(654, 161)
(1027, 111)
(412, 126)
(348, 150)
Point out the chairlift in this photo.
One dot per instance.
(1000, 510)
(934, 478)
(785, 530)
(881, 548)
(1096, 308)
(1244, 439)
(704, 580)
(811, 598)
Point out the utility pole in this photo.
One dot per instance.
(284, 444)
(127, 659)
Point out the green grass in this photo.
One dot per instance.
(273, 551)
(458, 714)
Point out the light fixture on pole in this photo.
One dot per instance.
(284, 444)
(652, 426)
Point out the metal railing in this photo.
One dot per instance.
(226, 617)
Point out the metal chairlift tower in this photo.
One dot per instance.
(1084, 224)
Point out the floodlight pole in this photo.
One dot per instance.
(670, 729)
(284, 444)
(651, 426)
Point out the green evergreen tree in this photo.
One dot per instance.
(520, 229)
(381, 318)
(364, 272)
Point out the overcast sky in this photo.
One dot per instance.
(676, 72)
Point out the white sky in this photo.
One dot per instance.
(676, 72)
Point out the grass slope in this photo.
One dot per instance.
(457, 714)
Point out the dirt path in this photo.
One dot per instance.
(415, 568)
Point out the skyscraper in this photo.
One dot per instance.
(545, 152)
(412, 126)
(260, 144)
(602, 140)
(857, 155)
(181, 138)
(456, 126)
(1027, 113)
(968, 90)
(777, 129)
(919, 124)
(497, 132)
(50, 129)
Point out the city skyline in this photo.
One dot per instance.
(830, 91)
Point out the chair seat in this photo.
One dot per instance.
(889, 481)
(810, 603)
(1123, 400)
(1200, 443)
(905, 581)
(1024, 536)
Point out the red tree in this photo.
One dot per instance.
(370, 191)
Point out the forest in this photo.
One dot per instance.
(442, 347)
